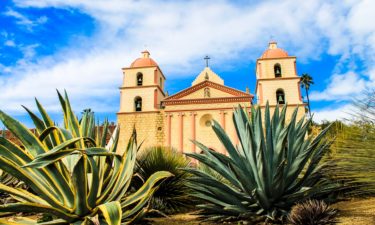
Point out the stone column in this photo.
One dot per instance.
(222, 123)
(193, 131)
(236, 141)
(181, 136)
(169, 129)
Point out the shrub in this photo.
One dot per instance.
(172, 195)
(353, 149)
(312, 212)
(271, 169)
(71, 172)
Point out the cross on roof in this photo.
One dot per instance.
(206, 58)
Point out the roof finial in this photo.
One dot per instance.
(206, 77)
(146, 54)
(206, 58)
(272, 44)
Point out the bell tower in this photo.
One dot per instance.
(141, 94)
(277, 79)
(142, 89)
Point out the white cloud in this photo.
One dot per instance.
(371, 74)
(42, 20)
(341, 87)
(10, 43)
(333, 113)
(21, 19)
(24, 20)
(179, 34)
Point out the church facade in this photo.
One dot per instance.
(187, 115)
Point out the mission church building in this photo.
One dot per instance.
(187, 115)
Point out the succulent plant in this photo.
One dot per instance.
(274, 166)
(312, 212)
(71, 172)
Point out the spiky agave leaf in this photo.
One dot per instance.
(274, 166)
(70, 172)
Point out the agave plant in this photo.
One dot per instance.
(71, 172)
(274, 166)
(172, 196)
(7, 180)
(312, 212)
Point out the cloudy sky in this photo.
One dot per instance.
(81, 46)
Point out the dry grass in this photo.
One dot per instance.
(356, 211)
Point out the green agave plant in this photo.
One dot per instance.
(274, 166)
(70, 171)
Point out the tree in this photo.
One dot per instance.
(306, 81)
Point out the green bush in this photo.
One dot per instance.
(353, 151)
(172, 195)
(274, 166)
(354, 155)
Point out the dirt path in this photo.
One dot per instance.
(357, 212)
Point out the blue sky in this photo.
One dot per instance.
(81, 46)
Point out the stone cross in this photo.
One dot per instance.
(206, 58)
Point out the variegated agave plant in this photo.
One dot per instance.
(8, 180)
(71, 173)
(274, 166)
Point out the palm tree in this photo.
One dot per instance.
(306, 81)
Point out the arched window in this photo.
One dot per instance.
(206, 121)
(280, 96)
(139, 79)
(138, 104)
(277, 70)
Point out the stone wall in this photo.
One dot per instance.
(149, 127)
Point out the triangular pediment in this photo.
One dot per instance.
(207, 74)
(214, 90)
